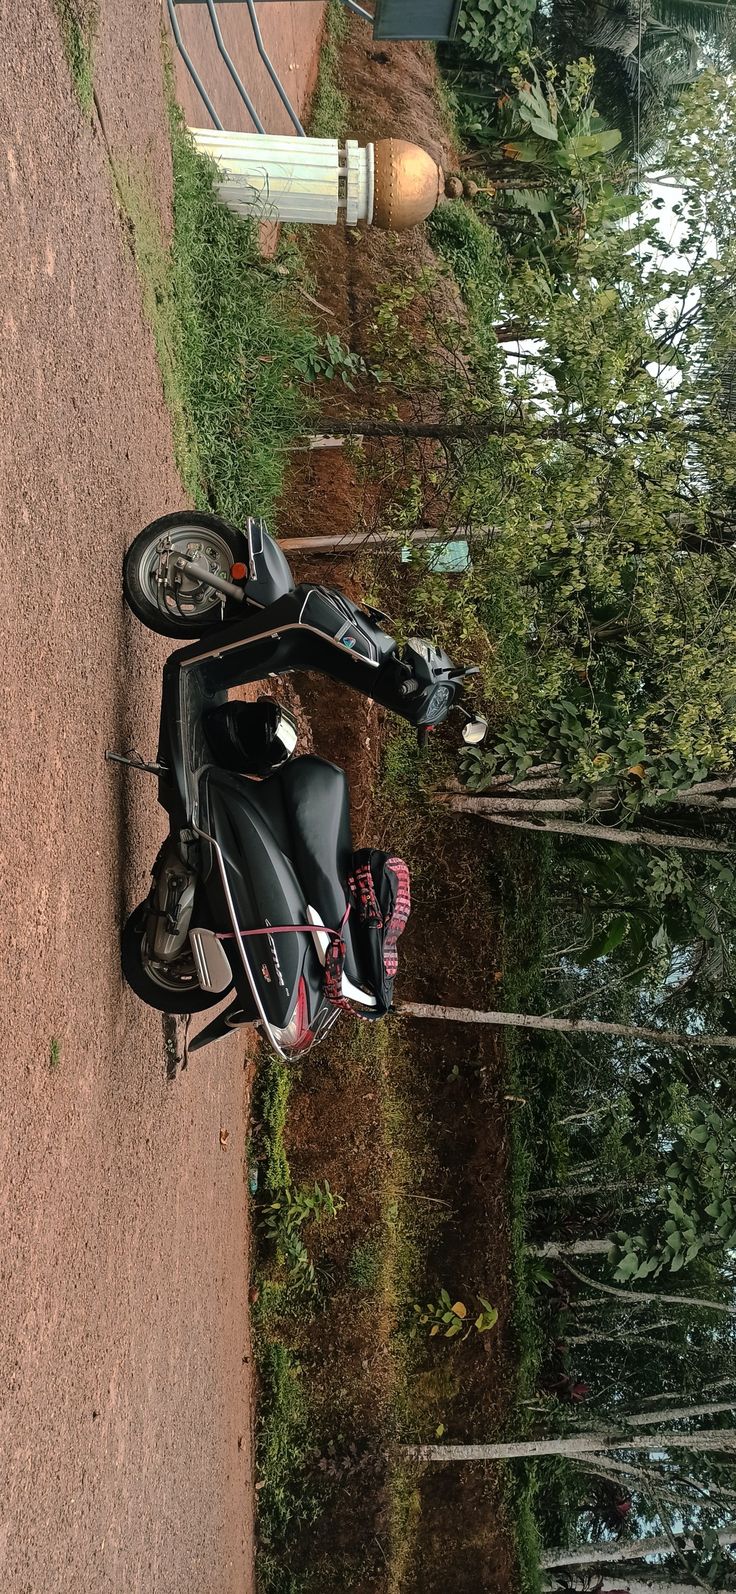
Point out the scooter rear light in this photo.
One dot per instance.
(296, 1036)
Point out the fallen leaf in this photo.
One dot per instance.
(224, 1137)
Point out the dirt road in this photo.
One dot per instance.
(125, 1424)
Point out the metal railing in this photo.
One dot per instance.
(383, 21)
(230, 64)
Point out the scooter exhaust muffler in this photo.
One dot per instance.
(171, 906)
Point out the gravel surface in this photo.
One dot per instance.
(125, 1424)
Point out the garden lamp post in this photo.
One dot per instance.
(391, 183)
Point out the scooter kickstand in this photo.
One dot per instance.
(131, 761)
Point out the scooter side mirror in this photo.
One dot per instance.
(475, 732)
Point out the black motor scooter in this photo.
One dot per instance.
(250, 889)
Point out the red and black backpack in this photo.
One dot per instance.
(379, 906)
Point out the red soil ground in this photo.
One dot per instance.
(125, 1418)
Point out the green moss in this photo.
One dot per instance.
(330, 106)
(77, 36)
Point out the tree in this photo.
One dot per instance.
(546, 1021)
(644, 1297)
(660, 910)
(606, 466)
(654, 1581)
(721, 1440)
(643, 60)
(634, 1550)
(543, 824)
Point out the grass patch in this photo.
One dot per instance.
(270, 1108)
(364, 1265)
(54, 1053)
(283, 1443)
(283, 1439)
(155, 268)
(229, 334)
(388, 1265)
(319, 1394)
(241, 334)
(405, 1515)
(521, 1492)
(77, 35)
(330, 106)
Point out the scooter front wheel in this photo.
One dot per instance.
(169, 600)
(171, 988)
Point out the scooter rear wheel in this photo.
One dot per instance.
(187, 997)
(191, 609)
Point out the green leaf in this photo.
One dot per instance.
(627, 1267)
(544, 128)
(606, 940)
(534, 200)
(586, 145)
